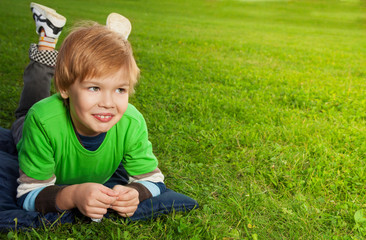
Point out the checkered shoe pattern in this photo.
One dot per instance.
(45, 57)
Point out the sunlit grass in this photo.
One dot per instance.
(256, 109)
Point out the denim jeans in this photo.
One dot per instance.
(169, 201)
(37, 83)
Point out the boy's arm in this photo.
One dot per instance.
(147, 185)
(36, 161)
(37, 195)
(140, 161)
(153, 176)
(92, 199)
(152, 181)
(29, 189)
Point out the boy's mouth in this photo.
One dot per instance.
(103, 117)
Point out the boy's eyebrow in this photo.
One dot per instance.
(124, 84)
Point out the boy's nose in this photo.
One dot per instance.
(106, 101)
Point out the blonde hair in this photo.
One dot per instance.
(92, 50)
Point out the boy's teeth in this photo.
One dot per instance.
(102, 116)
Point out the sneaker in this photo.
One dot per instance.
(119, 24)
(48, 20)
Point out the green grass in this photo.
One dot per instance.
(256, 109)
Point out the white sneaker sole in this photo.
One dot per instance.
(36, 5)
(56, 19)
(119, 24)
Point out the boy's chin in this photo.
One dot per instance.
(104, 130)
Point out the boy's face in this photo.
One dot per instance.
(97, 104)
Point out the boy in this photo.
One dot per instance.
(85, 147)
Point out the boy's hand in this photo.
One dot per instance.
(93, 199)
(127, 202)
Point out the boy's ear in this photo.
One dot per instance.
(64, 94)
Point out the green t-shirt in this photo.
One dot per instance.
(50, 146)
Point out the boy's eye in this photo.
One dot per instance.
(120, 90)
(93, 89)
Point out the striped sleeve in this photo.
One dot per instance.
(29, 188)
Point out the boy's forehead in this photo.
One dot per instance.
(119, 77)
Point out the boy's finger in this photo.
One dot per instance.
(126, 203)
(128, 196)
(121, 189)
(95, 212)
(124, 210)
(106, 199)
(129, 192)
(126, 215)
(95, 215)
(108, 191)
(97, 203)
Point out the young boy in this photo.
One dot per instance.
(86, 147)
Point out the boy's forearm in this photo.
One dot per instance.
(64, 198)
(146, 184)
(144, 193)
(55, 198)
(28, 184)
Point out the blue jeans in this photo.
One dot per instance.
(37, 83)
(165, 203)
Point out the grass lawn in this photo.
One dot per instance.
(256, 109)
